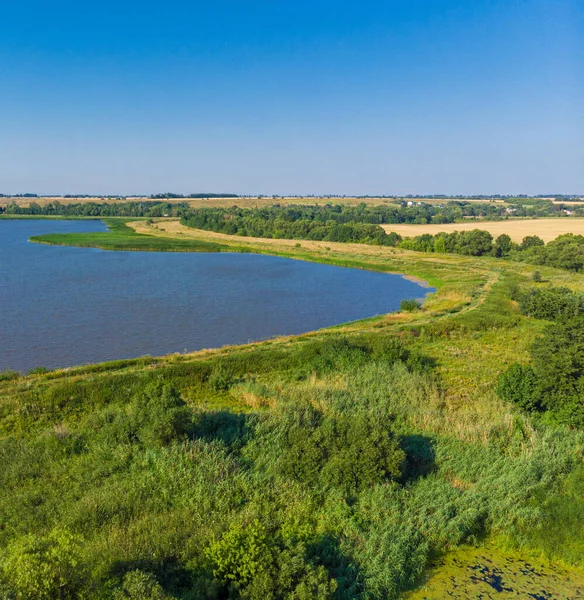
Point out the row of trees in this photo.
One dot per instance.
(393, 213)
(360, 224)
(96, 209)
(199, 195)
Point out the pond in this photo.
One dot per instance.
(65, 306)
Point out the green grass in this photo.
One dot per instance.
(120, 237)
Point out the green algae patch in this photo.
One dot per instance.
(488, 572)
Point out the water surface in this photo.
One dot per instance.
(63, 306)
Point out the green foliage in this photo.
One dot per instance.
(138, 585)
(558, 361)
(503, 245)
(37, 567)
(37, 371)
(554, 382)
(144, 208)
(260, 564)
(531, 241)
(221, 379)
(329, 223)
(518, 385)
(551, 303)
(241, 554)
(324, 452)
(9, 375)
(121, 237)
(561, 530)
(565, 252)
(536, 277)
(409, 305)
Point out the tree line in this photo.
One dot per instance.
(143, 208)
(361, 224)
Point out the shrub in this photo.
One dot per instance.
(259, 563)
(221, 379)
(346, 453)
(555, 380)
(551, 303)
(38, 371)
(410, 305)
(518, 385)
(9, 375)
(139, 585)
(39, 567)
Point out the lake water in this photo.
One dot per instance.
(64, 306)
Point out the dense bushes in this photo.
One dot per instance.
(551, 303)
(554, 382)
(327, 452)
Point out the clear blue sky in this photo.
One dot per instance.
(367, 97)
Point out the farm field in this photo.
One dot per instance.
(546, 229)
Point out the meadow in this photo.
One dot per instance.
(369, 460)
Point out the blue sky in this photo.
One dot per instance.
(368, 97)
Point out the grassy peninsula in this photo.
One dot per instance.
(372, 460)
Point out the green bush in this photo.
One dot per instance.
(138, 585)
(325, 452)
(37, 371)
(554, 382)
(37, 567)
(551, 303)
(518, 385)
(9, 375)
(409, 305)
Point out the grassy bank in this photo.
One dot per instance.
(121, 237)
(370, 460)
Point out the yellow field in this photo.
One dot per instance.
(546, 229)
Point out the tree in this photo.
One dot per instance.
(503, 245)
(474, 243)
(531, 241)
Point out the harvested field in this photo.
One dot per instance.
(546, 229)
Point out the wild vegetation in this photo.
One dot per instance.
(121, 237)
(341, 464)
(552, 383)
